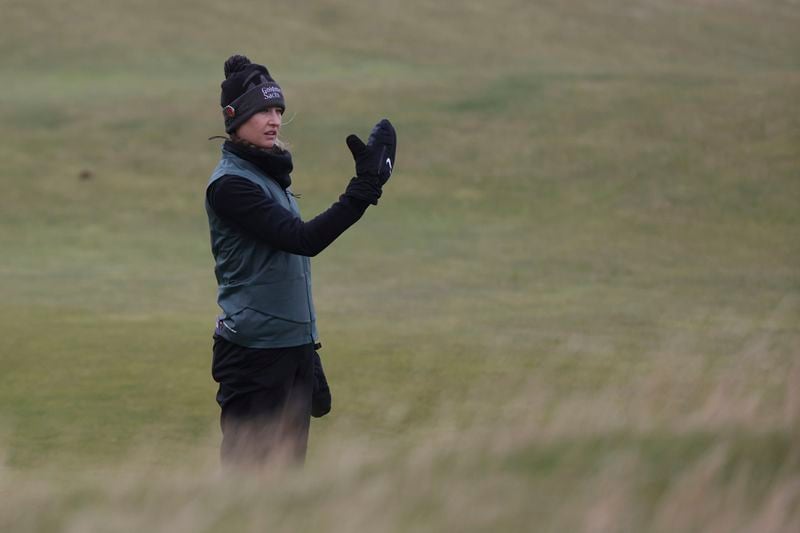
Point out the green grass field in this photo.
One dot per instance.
(576, 308)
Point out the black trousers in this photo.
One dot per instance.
(265, 396)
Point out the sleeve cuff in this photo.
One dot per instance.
(362, 189)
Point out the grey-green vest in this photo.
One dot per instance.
(264, 293)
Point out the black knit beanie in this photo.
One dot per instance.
(248, 88)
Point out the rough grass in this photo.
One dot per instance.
(575, 308)
(544, 461)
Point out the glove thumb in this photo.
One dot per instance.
(356, 145)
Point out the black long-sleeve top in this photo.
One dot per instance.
(244, 204)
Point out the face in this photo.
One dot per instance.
(262, 128)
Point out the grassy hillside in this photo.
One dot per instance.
(576, 308)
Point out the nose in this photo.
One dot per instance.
(274, 116)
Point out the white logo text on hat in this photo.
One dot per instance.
(271, 93)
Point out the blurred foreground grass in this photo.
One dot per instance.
(541, 462)
(577, 306)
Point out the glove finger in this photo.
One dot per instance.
(382, 133)
(387, 128)
(356, 145)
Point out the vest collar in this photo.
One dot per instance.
(276, 165)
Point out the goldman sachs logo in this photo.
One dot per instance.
(271, 93)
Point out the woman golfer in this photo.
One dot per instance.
(265, 361)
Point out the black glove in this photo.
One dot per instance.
(375, 160)
(321, 396)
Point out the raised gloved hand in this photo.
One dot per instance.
(375, 160)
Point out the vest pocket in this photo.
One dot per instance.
(287, 300)
(252, 324)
